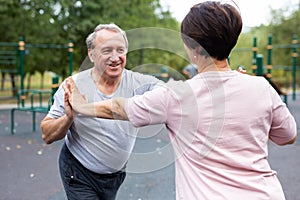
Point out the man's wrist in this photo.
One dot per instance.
(69, 118)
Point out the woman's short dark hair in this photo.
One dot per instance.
(214, 26)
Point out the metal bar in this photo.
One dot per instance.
(294, 57)
(254, 50)
(47, 46)
(9, 44)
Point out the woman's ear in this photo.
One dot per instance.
(194, 55)
(191, 54)
(199, 50)
(91, 55)
(193, 58)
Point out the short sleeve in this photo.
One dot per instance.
(57, 109)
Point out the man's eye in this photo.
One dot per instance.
(121, 50)
(105, 52)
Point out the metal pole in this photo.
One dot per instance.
(254, 50)
(294, 57)
(22, 72)
(269, 61)
(164, 74)
(259, 63)
(70, 54)
(54, 86)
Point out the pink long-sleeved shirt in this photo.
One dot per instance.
(219, 124)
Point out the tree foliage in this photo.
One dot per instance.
(284, 25)
(57, 22)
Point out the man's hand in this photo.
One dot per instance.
(241, 69)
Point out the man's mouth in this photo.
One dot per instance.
(115, 64)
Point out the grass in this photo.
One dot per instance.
(6, 95)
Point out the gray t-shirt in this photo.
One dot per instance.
(101, 145)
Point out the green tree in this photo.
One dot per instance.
(128, 14)
(56, 22)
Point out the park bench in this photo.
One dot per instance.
(31, 101)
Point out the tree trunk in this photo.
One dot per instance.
(64, 74)
(2, 80)
(29, 81)
(42, 80)
(13, 84)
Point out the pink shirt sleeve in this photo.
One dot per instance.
(150, 108)
(283, 126)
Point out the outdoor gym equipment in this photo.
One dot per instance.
(26, 98)
(32, 105)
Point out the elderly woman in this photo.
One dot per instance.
(219, 122)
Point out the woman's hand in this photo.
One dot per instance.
(108, 109)
(73, 96)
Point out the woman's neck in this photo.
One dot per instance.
(222, 65)
(214, 65)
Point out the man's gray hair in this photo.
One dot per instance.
(91, 38)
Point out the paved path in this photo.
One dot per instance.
(29, 170)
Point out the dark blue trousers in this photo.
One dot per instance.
(81, 183)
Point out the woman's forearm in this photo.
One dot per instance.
(108, 109)
(118, 108)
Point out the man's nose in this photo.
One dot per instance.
(114, 55)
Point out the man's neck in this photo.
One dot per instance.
(105, 84)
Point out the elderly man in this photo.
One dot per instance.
(93, 158)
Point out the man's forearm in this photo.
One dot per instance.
(55, 129)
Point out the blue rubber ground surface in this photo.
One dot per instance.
(29, 169)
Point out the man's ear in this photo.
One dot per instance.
(91, 55)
